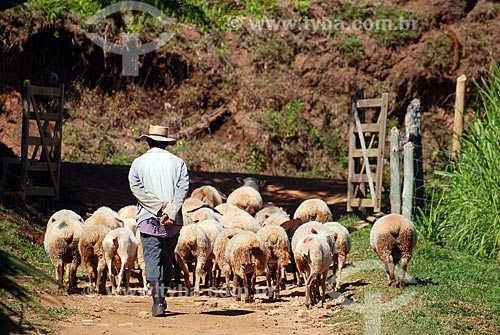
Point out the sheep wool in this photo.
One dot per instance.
(62, 248)
(246, 254)
(120, 253)
(220, 252)
(247, 197)
(268, 211)
(313, 210)
(92, 254)
(342, 248)
(278, 256)
(393, 237)
(193, 245)
(313, 255)
(208, 194)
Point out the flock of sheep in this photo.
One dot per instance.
(238, 238)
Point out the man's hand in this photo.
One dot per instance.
(165, 220)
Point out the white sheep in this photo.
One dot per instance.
(191, 204)
(212, 228)
(105, 216)
(127, 213)
(58, 216)
(275, 219)
(92, 255)
(247, 255)
(120, 253)
(193, 245)
(226, 210)
(242, 221)
(220, 253)
(202, 214)
(278, 256)
(141, 262)
(62, 248)
(313, 210)
(209, 195)
(313, 255)
(306, 229)
(247, 196)
(342, 248)
(393, 237)
(262, 215)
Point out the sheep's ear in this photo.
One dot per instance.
(262, 183)
(88, 214)
(120, 221)
(239, 180)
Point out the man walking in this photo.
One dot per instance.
(159, 181)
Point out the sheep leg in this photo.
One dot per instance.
(182, 264)
(270, 292)
(309, 284)
(128, 273)
(247, 284)
(72, 279)
(404, 263)
(252, 285)
(200, 273)
(390, 266)
(92, 276)
(340, 265)
(101, 276)
(144, 280)
(60, 271)
(237, 287)
(323, 287)
(120, 278)
(279, 271)
(227, 275)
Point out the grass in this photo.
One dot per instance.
(464, 211)
(454, 292)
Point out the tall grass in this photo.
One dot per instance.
(468, 216)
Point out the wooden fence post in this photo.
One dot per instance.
(408, 180)
(414, 135)
(395, 172)
(458, 123)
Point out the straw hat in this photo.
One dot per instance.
(158, 133)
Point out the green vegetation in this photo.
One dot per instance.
(24, 269)
(437, 54)
(389, 25)
(351, 49)
(464, 211)
(294, 134)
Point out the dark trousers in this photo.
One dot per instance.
(159, 257)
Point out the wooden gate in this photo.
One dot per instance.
(366, 152)
(41, 140)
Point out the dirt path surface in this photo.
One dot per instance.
(86, 187)
(194, 315)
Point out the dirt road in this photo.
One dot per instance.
(195, 315)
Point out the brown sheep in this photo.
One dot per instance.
(393, 237)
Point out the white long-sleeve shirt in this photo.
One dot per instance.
(155, 177)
